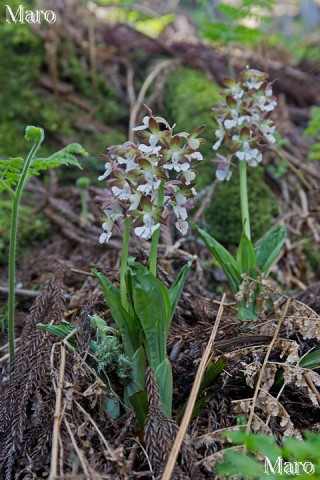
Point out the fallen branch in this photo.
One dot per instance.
(192, 398)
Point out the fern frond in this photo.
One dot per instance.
(66, 156)
(10, 172)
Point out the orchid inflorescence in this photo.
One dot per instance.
(243, 121)
(136, 172)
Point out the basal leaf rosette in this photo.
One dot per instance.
(243, 127)
(136, 173)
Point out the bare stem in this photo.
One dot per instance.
(124, 261)
(244, 198)
(12, 249)
(156, 235)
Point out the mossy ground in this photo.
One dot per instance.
(23, 102)
(223, 216)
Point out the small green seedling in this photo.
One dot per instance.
(82, 185)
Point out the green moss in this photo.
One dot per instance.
(108, 106)
(111, 357)
(188, 102)
(21, 56)
(223, 216)
(312, 252)
(33, 229)
(189, 99)
(22, 102)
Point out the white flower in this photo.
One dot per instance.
(116, 209)
(189, 175)
(135, 200)
(144, 126)
(122, 193)
(179, 208)
(152, 184)
(255, 158)
(223, 174)
(148, 150)
(229, 124)
(128, 161)
(196, 156)
(148, 228)
(266, 105)
(154, 139)
(267, 131)
(105, 237)
(107, 226)
(254, 84)
(175, 165)
(219, 134)
(252, 155)
(236, 120)
(108, 171)
(237, 92)
(182, 226)
(194, 143)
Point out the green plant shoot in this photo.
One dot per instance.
(14, 174)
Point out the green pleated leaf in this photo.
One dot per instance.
(152, 307)
(138, 374)
(177, 286)
(310, 360)
(135, 392)
(226, 260)
(246, 258)
(165, 385)
(139, 403)
(269, 248)
(126, 322)
(245, 313)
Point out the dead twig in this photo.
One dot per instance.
(310, 383)
(77, 449)
(283, 156)
(192, 398)
(148, 81)
(263, 367)
(93, 423)
(57, 416)
(20, 292)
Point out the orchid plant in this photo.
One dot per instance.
(146, 181)
(243, 130)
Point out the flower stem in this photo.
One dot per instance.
(230, 64)
(244, 198)
(12, 249)
(84, 207)
(12, 270)
(156, 235)
(124, 261)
